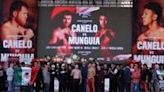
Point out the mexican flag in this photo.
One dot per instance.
(22, 76)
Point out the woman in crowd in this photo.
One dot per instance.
(34, 73)
(90, 79)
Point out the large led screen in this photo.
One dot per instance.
(103, 33)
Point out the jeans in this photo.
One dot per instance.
(156, 86)
(10, 86)
(25, 88)
(46, 87)
(135, 87)
(83, 85)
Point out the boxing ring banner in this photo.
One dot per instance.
(91, 32)
(18, 30)
(148, 40)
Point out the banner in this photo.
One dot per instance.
(91, 32)
(148, 32)
(26, 76)
(22, 76)
(18, 30)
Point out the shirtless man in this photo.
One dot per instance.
(60, 35)
(150, 18)
(15, 28)
(154, 31)
(106, 35)
(77, 78)
(14, 33)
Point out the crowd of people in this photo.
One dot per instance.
(81, 76)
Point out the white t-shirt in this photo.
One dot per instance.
(10, 73)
